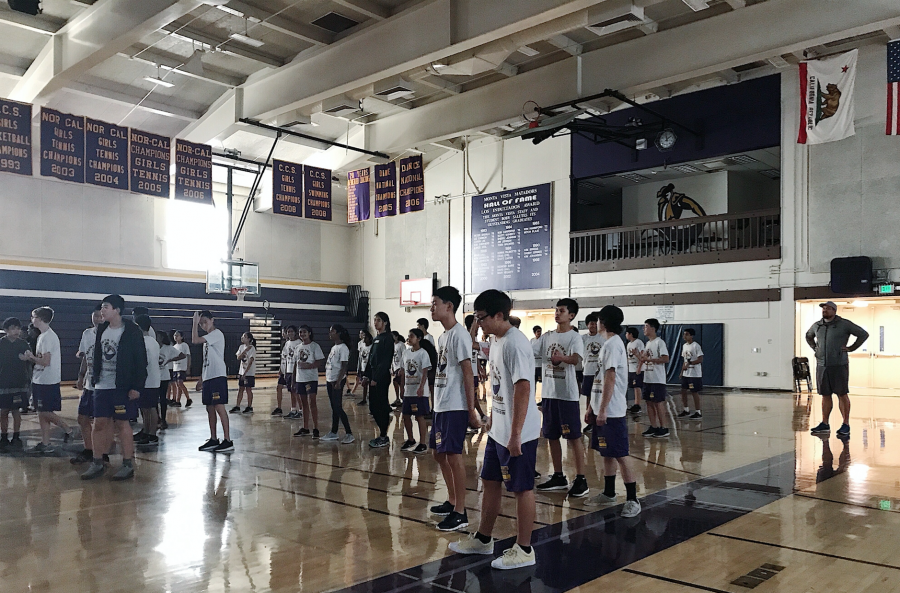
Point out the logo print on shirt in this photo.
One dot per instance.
(109, 350)
(495, 382)
(555, 349)
(411, 368)
(594, 349)
(442, 361)
(302, 355)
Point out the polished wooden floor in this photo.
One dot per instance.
(293, 514)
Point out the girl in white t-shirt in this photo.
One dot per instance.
(307, 356)
(363, 349)
(397, 369)
(168, 354)
(246, 356)
(415, 365)
(180, 370)
(335, 377)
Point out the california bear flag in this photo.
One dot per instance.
(826, 98)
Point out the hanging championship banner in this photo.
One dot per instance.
(151, 157)
(317, 192)
(412, 185)
(15, 137)
(826, 91)
(62, 145)
(287, 188)
(386, 190)
(106, 154)
(193, 172)
(358, 207)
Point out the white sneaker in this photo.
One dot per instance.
(471, 545)
(515, 557)
(348, 438)
(632, 508)
(331, 436)
(600, 500)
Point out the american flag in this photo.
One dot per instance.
(893, 88)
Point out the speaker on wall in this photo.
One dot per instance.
(851, 275)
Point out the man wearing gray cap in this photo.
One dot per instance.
(829, 337)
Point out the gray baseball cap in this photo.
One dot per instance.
(828, 304)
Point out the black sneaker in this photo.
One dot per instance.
(422, 448)
(661, 433)
(248, 410)
(635, 409)
(151, 439)
(822, 428)
(225, 446)
(303, 432)
(537, 475)
(163, 425)
(556, 482)
(175, 405)
(397, 403)
(443, 509)
(454, 522)
(141, 438)
(235, 410)
(277, 412)
(408, 445)
(209, 445)
(83, 457)
(579, 487)
(588, 429)
(363, 403)
(16, 444)
(649, 432)
(69, 436)
(696, 415)
(315, 433)
(189, 402)
(843, 431)
(683, 414)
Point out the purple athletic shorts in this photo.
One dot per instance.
(561, 419)
(516, 472)
(448, 431)
(611, 439)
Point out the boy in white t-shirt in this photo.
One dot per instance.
(454, 406)
(606, 411)
(561, 350)
(45, 380)
(633, 349)
(416, 399)
(691, 374)
(511, 450)
(653, 361)
(282, 377)
(289, 352)
(246, 356)
(593, 341)
(83, 384)
(213, 381)
(150, 393)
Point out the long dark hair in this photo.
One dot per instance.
(308, 329)
(386, 319)
(367, 337)
(343, 334)
(163, 338)
(252, 339)
(398, 339)
(425, 345)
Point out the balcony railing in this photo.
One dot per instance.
(701, 240)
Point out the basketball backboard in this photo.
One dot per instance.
(226, 275)
(416, 292)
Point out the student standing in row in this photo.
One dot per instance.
(607, 410)
(290, 353)
(379, 375)
(46, 378)
(364, 348)
(335, 378)
(118, 375)
(246, 356)
(417, 363)
(213, 380)
(691, 374)
(13, 383)
(282, 379)
(83, 384)
(514, 428)
(180, 371)
(634, 350)
(397, 369)
(561, 350)
(538, 357)
(593, 342)
(150, 393)
(653, 360)
(423, 325)
(168, 356)
(454, 407)
(308, 356)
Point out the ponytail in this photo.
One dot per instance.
(343, 334)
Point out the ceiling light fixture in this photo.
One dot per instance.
(697, 5)
(245, 37)
(528, 51)
(158, 80)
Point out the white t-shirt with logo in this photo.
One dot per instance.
(690, 352)
(109, 353)
(86, 347)
(311, 354)
(214, 355)
(52, 373)
(364, 350)
(248, 368)
(633, 349)
(653, 372)
(559, 381)
(592, 346)
(181, 365)
(336, 356)
(612, 356)
(397, 361)
(153, 374)
(479, 350)
(454, 347)
(166, 353)
(512, 360)
(289, 354)
(415, 370)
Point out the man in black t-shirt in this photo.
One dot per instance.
(14, 380)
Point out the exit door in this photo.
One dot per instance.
(877, 363)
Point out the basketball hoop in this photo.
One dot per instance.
(240, 292)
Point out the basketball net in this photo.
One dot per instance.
(239, 292)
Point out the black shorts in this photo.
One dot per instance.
(13, 401)
(215, 391)
(561, 419)
(655, 392)
(537, 374)
(833, 380)
(305, 388)
(281, 379)
(179, 376)
(47, 398)
(636, 380)
(694, 384)
(245, 381)
(611, 439)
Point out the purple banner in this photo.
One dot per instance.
(193, 172)
(151, 157)
(412, 185)
(287, 188)
(358, 197)
(106, 154)
(15, 137)
(62, 145)
(317, 193)
(386, 190)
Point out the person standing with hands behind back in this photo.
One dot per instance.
(46, 378)
(213, 381)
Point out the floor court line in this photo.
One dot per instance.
(805, 551)
(843, 502)
(674, 581)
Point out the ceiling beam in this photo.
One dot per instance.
(301, 31)
(366, 7)
(172, 62)
(695, 50)
(149, 105)
(44, 25)
(737, 4)
(90, 38)
(567, 44)
(226, 45)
